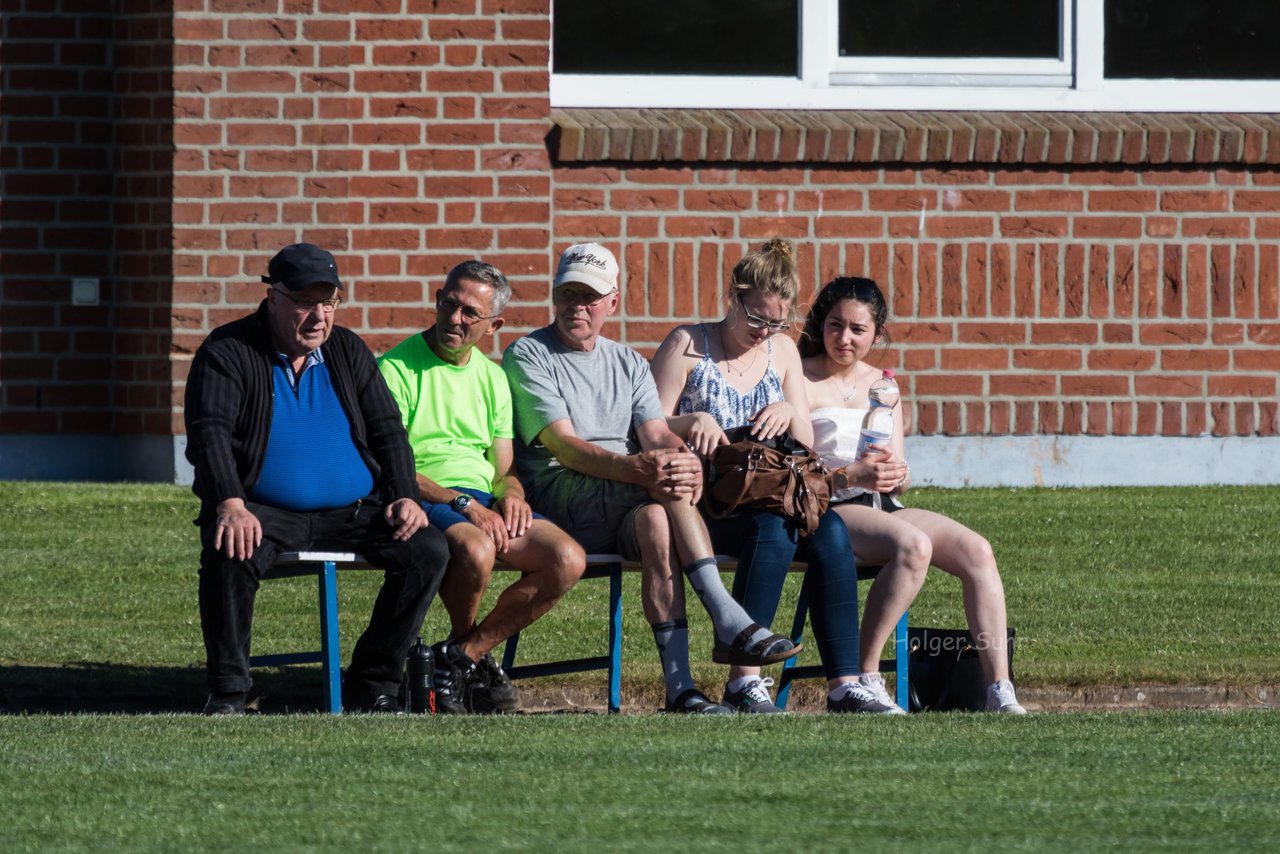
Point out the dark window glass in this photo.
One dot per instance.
(950, 29)
(744, 37)
(1236, 40)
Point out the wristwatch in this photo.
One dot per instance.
(460, 503)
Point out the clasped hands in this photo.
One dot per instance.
(672, 473)
(877, 471)
(509, 519)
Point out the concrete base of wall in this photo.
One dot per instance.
(151, 459)
(955, 461)
(947, 461)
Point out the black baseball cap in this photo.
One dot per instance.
(300, 265)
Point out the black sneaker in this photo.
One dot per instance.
(455, 674)
(231, 703)
(694, 702)
(492, 691)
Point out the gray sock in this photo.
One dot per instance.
(727, 617)
(672, 638)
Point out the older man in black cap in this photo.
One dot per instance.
(297, 444)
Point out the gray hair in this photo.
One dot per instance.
(487, 274)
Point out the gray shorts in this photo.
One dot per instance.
(600, 514)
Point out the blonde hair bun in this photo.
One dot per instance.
(782, 247)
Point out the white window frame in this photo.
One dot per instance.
(1074, 82)
(917, 71)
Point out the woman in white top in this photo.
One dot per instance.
(846, 321)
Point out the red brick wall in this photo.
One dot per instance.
(142, 297)
(1023, 300)
(403, 135)
(178, 145)
(84, 164)
(56, 110)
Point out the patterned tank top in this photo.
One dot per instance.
(708, 390)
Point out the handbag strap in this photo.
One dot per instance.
(749, 476)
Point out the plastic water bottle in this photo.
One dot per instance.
(421, 667)
(877, 425)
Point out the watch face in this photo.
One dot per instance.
(460, 503)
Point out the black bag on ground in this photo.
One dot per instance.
(945, 672)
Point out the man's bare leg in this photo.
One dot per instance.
(471, 556)
(662, 589)
(739, 639)
(550, 563)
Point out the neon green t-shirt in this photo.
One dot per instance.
(453, 413)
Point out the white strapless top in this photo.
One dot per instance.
(835, 439)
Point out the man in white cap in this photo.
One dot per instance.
(594, 451)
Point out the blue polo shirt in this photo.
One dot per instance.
(311, 461)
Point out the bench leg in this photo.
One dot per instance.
(901, 685)
(615, 639)
(332, 667)
(797, 634)
(509, 652)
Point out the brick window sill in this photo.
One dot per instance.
(811, 136)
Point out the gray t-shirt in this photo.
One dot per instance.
(606, 392)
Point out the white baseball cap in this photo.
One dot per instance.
(590, 264)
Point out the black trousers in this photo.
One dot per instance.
(413, 570)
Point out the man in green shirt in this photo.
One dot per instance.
(456, 406)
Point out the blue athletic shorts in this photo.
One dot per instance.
(443, 516)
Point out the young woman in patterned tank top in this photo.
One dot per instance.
(744, 370)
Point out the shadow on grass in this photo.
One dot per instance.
(105, 688)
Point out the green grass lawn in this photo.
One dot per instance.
(1105, 586)
(1055, 782)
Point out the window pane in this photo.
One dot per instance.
(950, 29)
(1237, 40)
(745, 37)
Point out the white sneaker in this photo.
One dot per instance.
(867, 695)
(752, 698)
(1002, 698)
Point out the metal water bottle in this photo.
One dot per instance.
(421, 666)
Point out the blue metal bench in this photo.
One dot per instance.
(324, 565)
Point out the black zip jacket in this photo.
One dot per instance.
(228, 409)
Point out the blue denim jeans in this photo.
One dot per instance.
(765, 545)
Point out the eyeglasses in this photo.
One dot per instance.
(306, 306)
(755, 321)
(583, 298)
(447, 307)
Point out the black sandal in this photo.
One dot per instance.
(744, 653)
(694, 702)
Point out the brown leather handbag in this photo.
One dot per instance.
(780, 475)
